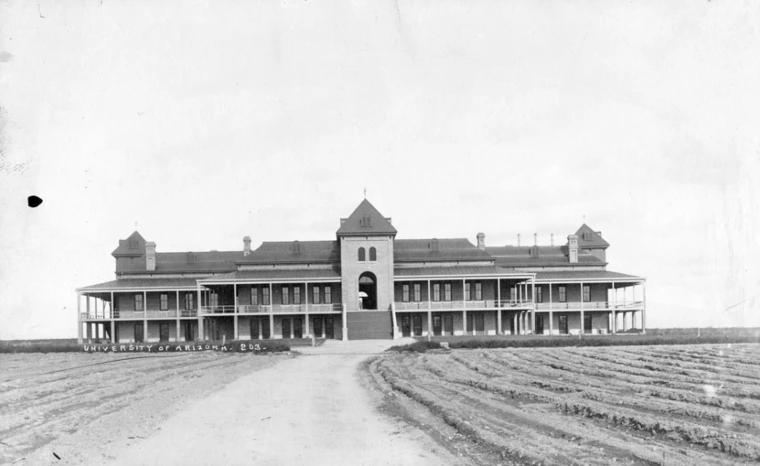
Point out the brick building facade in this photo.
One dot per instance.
(364, 284)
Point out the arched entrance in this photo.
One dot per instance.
(368, 290)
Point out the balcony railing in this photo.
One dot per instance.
(258, 308)
(480, 304)
(589, 306)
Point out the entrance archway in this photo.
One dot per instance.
(368, 290)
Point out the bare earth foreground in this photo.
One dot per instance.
(669, 405)
(202, 408)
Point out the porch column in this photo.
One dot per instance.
(583, 321)
(79, 318)
(430, 312)
(643, 307)
(89, 332)
(235, 314)
(88, 306)
(533, 305)
(464, 309)
(176, 335)
(499, 329)
(613, 314)
(306, 319)
(201, 335)
(113, 331)
(551, 315)
(145, 316)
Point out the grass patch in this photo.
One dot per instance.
(70, 345)
(62, 345)
(416, 347)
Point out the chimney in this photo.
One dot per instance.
(518, 239)
(572, 244)
(552, 239)
(535, 239)
(246, 245)
(481, 241)
(150, 256)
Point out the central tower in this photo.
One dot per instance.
(366, 259)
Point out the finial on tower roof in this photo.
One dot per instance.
(365, 193)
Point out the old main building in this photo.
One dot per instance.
(364, 284)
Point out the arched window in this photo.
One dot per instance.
(372, 254)
(362, 255)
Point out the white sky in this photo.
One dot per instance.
(208, 121)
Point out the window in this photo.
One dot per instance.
(586, 293)
(562, 294)
(328, 295)
(255, 295)
(213, 299)
(132, 244)
(447, 292)
(297, 295)
(285, 295)
(467, 296)
(405, 293)
(189, 302)
(416, 292)
(362, 255)
(372, 254)
(138, 302)
(539, 295)
(265, 296)
(365, 221)
(513, 293)
(315, 295)
(164, 302)
(587, 323)
(436, 291)
(478, 291)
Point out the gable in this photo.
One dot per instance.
(590, 239)
(366, 221)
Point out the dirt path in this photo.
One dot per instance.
(311, 409)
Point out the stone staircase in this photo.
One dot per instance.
(369, 325)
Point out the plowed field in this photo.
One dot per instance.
(76, 406)
(599, 405)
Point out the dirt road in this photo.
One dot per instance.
(310, 409)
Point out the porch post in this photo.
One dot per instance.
(306, 319)
(614, 305)
(644, 307)
(551, 315)
(533, 305)
(235, 314)
(464, 309)
(201, 335)
(89, 332)
(79, 318)
(430, 312)
(145, 316)
(499, 329)
(583, 321)
(88, 306)
(113, 333)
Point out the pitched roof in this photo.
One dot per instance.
(453, 271)
(548, 256)
(277, 274)
(434, 249)
(191, 262)
(301, 252)
(365, 220)
(142, 283)
(134, 245)
(588, 238)
(587, 275)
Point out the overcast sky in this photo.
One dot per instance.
(208, 121)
